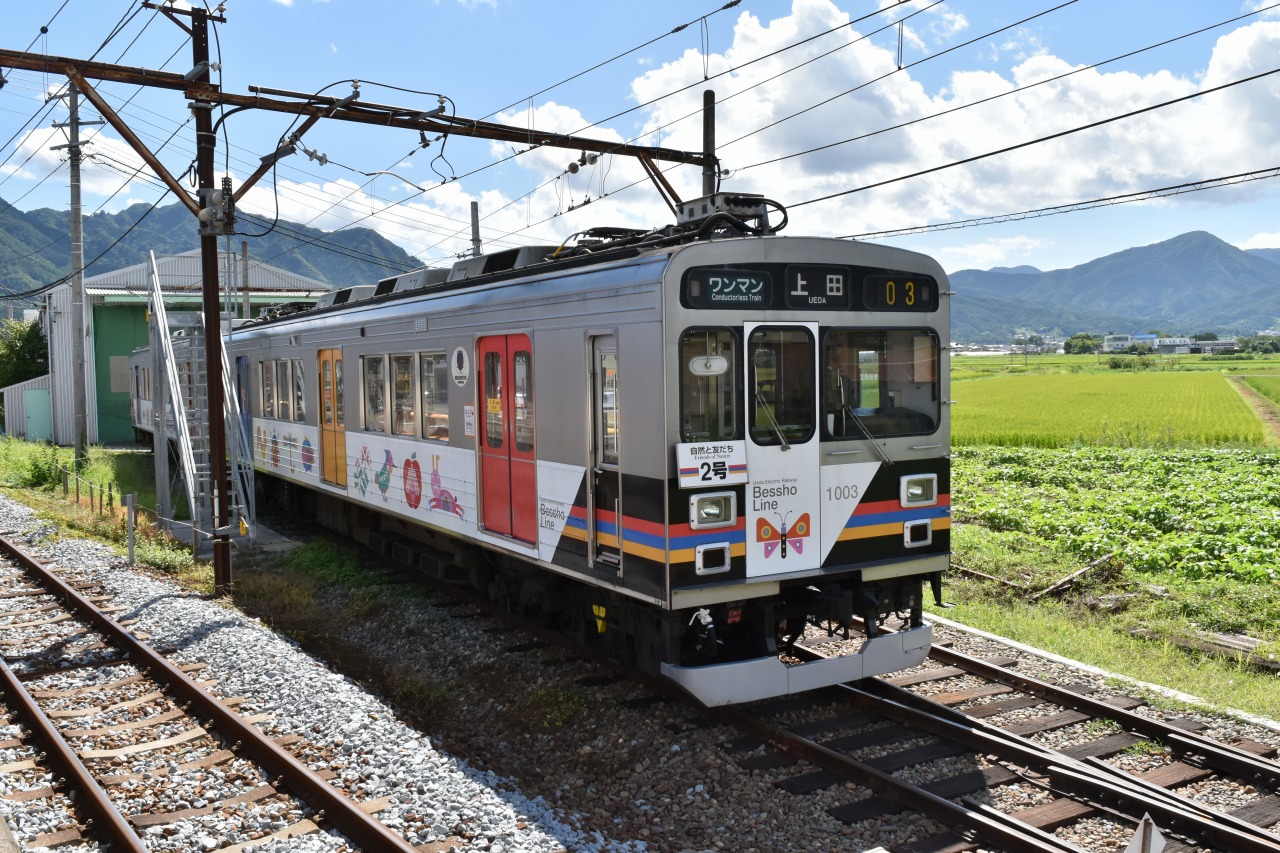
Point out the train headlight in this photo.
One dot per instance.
(713, 509)
(919, 490)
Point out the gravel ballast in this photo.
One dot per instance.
(626, 774)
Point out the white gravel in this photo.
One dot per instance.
(434, 794)
(631, 778)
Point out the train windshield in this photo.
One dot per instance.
(880, 383)
(781, 385)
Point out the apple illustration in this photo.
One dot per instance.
(412, 482)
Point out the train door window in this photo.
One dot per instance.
(433, 380)
(494, 432)
(880, 383)
(708, 386)
(522, 377)
(403, 419)
(299, 410)
(373, 370)
(326, 397)
(607, 371)
(284, 391)
(338, 404)
(781, 384)
(268, 389)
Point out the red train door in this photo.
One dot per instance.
(508, 466)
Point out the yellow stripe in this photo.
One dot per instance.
(688, 555)
(890, 529)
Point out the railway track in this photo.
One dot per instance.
(131, 750)
(953, 738)
(962, 740)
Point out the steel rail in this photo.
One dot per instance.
(340, 811)
(1079, 778)
(1022, 839)
(1222, 757)
(1105, 773)
(92, 797)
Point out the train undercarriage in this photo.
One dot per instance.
(707, 649)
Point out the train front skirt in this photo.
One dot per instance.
(762, 678)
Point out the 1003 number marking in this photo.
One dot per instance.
(842, 493)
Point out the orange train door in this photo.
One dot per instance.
(333, 431)
(508, 466)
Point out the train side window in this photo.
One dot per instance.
(880, 382)
(522, 370)
(373, 371)
(299, 410)
(284, 390)
(709, 408)
(433, 381)
(403, 420)
(493, 430)
(268, 389)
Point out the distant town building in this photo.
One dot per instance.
(1173, 346)
(1117, 343)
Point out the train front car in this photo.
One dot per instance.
(807, 385)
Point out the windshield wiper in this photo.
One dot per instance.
(884, 457)
(773, 422)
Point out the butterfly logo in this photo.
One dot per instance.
(776, 538)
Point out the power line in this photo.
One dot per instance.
(1013, 91)
(615, 58)
(1125, 198)
(1037, 141)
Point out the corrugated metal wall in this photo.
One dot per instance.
(15, 411)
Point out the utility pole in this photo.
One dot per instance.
(214, 207)
(211, 303)
(78, 396)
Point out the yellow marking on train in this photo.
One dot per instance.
(598, 610)
(891, 529)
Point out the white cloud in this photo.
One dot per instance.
(1262, 240)
(1198, 139)
(1001, 251)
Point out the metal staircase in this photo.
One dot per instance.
(178, 352)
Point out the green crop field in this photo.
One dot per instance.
(1118, 409)
(1267, 386)
(1194, 513)
(972, 366)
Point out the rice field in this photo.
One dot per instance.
(1121, 409)
(1267, 386)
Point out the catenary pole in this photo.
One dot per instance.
(211, 304)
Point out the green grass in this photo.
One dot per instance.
(968, 367)
(1118, 409)
(33, 468)
(1267, 386)
(1098, 640)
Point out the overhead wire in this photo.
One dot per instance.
(615, 58)
(1013, 91)
(1038, 140)
(48, 105)
(1053, 210)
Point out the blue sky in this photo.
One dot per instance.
(487, 56)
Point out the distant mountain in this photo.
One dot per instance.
(1025, 268)
(35, 246)
(1272, 255)
(1191, 283)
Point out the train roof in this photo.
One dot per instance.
(718, 216)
